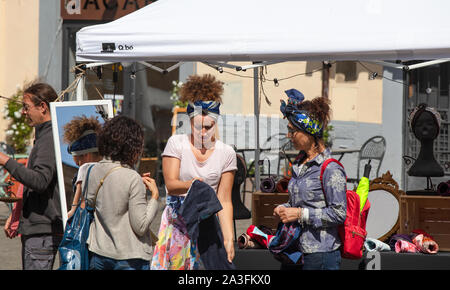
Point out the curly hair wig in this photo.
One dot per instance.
(78, 125)
(201, 88)
(121, 139)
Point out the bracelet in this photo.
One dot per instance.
(74, 205)
(299, 213)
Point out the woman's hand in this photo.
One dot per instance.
(276, 211)
(196, 178)
(288, 214)
(229, 248)
(150, 184)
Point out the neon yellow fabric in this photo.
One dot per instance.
(363, 191)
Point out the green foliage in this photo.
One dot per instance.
(326, 136)
(175, 98)
(18, 132)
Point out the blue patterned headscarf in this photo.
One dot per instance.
(300, 118)
(198, 107)
(86, 143)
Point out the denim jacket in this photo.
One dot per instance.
(319, 221)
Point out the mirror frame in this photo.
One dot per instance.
(57, 144)
(387, 183)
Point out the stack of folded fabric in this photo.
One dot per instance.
(417, 241)
(443, 188)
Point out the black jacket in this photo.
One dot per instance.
(41, 213)
(199, 213)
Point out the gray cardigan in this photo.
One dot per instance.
(121, 226)
(41, 212)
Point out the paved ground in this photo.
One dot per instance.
(10, 249)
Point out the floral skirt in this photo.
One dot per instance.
(174, 250)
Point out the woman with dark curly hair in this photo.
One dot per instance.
(119, 236)
(187, 158)
(318, 210)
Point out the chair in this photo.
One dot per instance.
(240, 211)
(372, 149)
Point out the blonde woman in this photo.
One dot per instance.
(197, 156)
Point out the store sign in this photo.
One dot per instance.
(99, 9)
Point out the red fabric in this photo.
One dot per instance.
(15, 214)
(17, 208)
(422, 232)
(252, 231)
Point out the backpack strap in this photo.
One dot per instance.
(322, 170)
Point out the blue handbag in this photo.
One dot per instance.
(73, 250)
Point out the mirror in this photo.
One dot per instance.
(384, 213)
(62, 113)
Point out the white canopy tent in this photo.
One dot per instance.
(264, 30)
(217, 32)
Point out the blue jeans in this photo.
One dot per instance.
(322, 261)
(317, 261)
(98, 262)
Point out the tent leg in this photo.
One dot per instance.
(256, 111)
(80, 88)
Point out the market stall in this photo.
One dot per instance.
(263, 32)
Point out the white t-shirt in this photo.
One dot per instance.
(82, 172)
(222, 159)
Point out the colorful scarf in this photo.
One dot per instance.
(300, 118)
(174, 249)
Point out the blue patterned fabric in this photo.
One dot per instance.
(212, 108)
(320, 227)
(299, 118)
(284, 246)
(175, 203)
(85, 144)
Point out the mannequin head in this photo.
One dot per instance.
(425, 122)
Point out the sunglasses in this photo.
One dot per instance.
(291, 130)
(207, 128)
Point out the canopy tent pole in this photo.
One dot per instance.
(80, 88)
(256, 112)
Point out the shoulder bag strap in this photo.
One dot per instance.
(101, 183)
(322, 170)
(84, 193)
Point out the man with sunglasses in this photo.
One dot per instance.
(40, 223)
